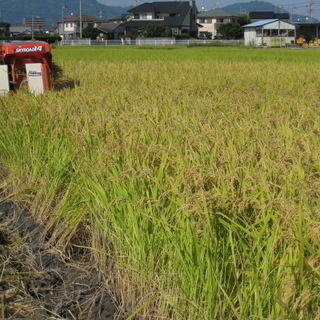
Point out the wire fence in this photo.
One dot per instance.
(149, 42)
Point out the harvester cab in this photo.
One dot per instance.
(25, 64)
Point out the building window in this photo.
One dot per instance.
(205, 20)
(259, 32)
(143, 16)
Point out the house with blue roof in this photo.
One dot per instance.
(270, 33)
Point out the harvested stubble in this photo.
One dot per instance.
(195, 183)
(39, 282)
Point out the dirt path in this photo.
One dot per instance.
(38, 282)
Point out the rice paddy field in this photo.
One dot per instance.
(189, 176)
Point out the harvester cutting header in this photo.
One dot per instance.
(25, 64)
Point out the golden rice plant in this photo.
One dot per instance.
(190, 175)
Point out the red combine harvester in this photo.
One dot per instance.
(25, 64)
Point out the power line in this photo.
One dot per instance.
(311, 3)
(291, 14)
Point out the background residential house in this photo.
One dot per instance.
(35, 23)
(308, 31)
(266, 32)
(120, 18)
(28, 27)
(111, 31)
(267, 15)
(4, 28)
(180, 16)
(113, 28)
(211, 20)
(52, 30)
(69, 27)
(19, 29)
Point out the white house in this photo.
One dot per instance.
(271, 33)
(69, 27)
(211, 20)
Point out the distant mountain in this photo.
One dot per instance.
(247, 7)
(126, 3)
(13, 11)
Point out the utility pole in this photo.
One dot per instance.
(63, 8)
(311, 3)
(291, 14)
(80, 19)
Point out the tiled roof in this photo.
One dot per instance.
(142, 23)
(108, 27)
(178, 9)
(145, 7)
(163, 7)
(215, 13)
(175, 12)
(261, 15)
(283, 16)
(85, 18)
(121, 17)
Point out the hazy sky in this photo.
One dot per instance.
(298, 6)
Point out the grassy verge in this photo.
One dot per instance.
(190, 174)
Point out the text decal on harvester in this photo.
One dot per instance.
(34, 73)
(32, 49)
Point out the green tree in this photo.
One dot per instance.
(154, 31)
(167, 32)
(230, 31)
(244, 19)
(90, 32)
(208, 34)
